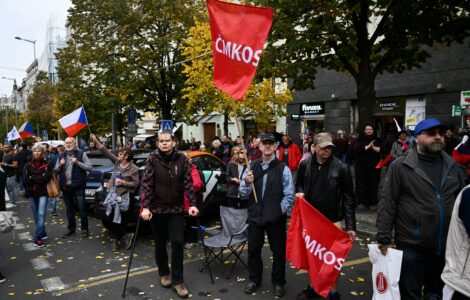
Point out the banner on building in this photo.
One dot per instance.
(415, 112)
(238, 36)
(315, 244)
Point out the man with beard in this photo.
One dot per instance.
(73, 166)
(420, 191)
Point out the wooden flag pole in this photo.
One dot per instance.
(243, 146)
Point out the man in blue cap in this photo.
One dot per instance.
(419, 194)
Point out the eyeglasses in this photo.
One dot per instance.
(434, 131)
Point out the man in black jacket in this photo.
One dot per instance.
(420, 191)
(326, 183)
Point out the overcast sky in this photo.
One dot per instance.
(27, 19)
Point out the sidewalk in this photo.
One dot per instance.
(365, 222)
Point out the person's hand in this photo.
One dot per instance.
(383, 249)
(74, 160)
(93, 137)
(62, 161)
(250, 177)
(352, 235)
(146, 214)
(120, 181)
(193, 211)
(236, 180)
(371, 144)
(299, 195)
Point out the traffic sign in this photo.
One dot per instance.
(456, 110)
(167, 125)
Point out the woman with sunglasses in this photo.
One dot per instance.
(127, 180)
(235, 169)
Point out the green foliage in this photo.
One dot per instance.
(361, 37)
(121, 51)
(261, 102)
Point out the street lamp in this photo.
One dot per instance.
(29, 41)
(12, 79)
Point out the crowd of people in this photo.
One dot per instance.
(423, 210)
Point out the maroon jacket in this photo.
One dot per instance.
(37, 174)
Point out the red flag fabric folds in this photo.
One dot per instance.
(315, 244)
(238, 35)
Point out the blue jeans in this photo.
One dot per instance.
(39, 208)
(53, 202)
(21, 182)
(11, 188)
(72, 196)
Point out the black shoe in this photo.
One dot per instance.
(373, 207)
(68, 234)
(85, 233)
(128, 239)
(251, 288)
(307, 294)
(116, 245)
(278, 291)
(2, 278)
(334, 296)
(361, 208)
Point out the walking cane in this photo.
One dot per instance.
(132, 253)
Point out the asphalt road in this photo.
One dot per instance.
(78, 268)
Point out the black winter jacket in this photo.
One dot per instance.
(36, 176)
(418, 211)
(339, 199)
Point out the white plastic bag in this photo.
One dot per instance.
(385, 272)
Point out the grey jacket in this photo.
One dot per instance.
(418, 211)
(457, 269)
(130, 174)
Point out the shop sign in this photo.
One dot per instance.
(312, 109)
(388, 106)
(465, 98)
(295, 117)
(456, 110)
(415, 111)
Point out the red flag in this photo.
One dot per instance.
(238, 35)
(315, 244)
(384, 161)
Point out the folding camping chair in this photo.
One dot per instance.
(232, 237)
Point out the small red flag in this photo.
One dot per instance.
(238, 36)
(315, 244)
(384, 161)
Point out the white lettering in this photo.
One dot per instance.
(339, 263)
(250, 54)
(317, 249)
(217, 48)
(329, 261)
(227, 48)
(310, 246)
(256, 58)
(235, 50)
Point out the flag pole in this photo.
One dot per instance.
(243, 146)
(87, 124)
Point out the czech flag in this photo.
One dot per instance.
(26, 130)
(74, 122)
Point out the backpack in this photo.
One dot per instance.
(7, 221)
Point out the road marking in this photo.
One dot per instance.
(103, 279)
(40, 263)
(53, 284)
(19, 226)
(25, 236)
(346, 264)
(30, 247)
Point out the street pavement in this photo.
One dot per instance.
(78, 268)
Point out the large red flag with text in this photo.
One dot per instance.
(315, 244)
(238, 35)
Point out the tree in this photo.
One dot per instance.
(123, 53)
(361, 37)
(261, 101)
(39, 111)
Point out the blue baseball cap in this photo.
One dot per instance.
(428, 124)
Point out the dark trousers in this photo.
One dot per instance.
(420, 270)
(3, 182)
(276, 233)
(367, 185)
(72, 197)
(169, 227)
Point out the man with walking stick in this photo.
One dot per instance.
(165, 181)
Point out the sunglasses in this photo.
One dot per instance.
(434, 131)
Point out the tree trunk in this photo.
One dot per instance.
(366, 99)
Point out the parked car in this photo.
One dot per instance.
(101, 165)
(214, 178)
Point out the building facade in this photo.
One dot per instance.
(428, 92)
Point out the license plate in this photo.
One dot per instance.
(89, 192)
